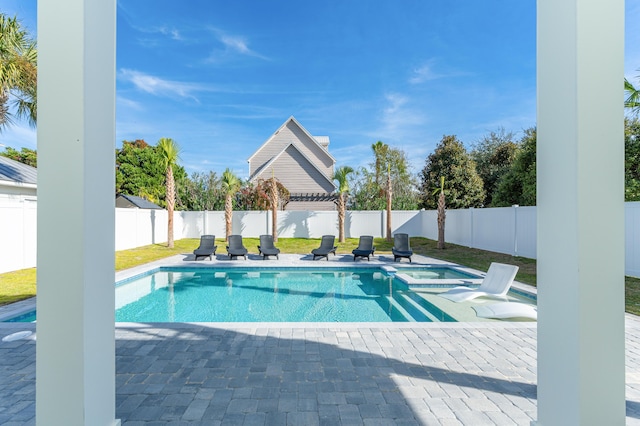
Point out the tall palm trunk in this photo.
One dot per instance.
(441, 218)
(389, 194)
(274, 209)
(171, 203)
(228, 214)
(341, 214)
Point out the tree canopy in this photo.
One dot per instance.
(518, 185)
(463, 185)
(494, 154)
(18, 73)
(368, 184)
(25, 155)
(632, 159)
(141, 171)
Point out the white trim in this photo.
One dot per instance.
(18, 184)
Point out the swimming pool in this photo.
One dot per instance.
(287, 294)
(254, 295)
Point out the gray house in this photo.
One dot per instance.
(301, 162)
(18, 181)
(133, 202)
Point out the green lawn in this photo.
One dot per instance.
(18, 285)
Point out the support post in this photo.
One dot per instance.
(580, 160)
(75, 354)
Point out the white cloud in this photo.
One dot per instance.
(160, 87)
(233, 44)
(422, 74)
(171, 32)
(398, 115)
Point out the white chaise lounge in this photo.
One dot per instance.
(506, 310)
(495, 284)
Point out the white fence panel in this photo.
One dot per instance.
(458, 227)
(139, 227)
(493, 229)
(407, 222)
(293, 224)
(18, 230)
(429, 224)
(359, 223)
(526, 238)
(250, 224)
(632, 239)
(323, 223)
(214, 224)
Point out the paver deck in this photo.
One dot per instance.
(314, 374)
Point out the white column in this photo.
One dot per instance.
(580, 157)
(76, 213)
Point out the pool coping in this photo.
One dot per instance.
(384, 262)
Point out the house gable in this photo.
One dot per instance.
(291, 132)
(296, 172)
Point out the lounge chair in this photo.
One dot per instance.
(401, 247)
(266, 247)
(235, 247)
(365, 247)
(504, 310)
(207, 247)
(326, 247)
(495, 284)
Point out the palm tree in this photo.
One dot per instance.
(169, 152)
(380, 150)
(274, 199)
(441, 213)
(633, 97)
(230, 186)
(389, 194)
(18, 72)
(340, 176)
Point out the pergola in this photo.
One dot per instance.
(581, 358)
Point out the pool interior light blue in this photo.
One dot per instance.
(267, 294)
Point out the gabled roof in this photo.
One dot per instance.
(292, 119)
(17, 172)
(138, 202)
(266, 166)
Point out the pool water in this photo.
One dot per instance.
(207, 295)
(436, 273)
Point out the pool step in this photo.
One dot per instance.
(418, 311)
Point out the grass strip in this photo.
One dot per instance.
(19, 285)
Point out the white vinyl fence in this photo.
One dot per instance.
(510, 230)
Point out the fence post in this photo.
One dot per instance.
(205, 222)
(473, 240)
(515, 229)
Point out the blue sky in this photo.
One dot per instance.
(220, 77)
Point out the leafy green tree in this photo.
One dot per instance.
(230, 186)
(200, 192)
(25, 155)
(18, 72)
(494, 154)
(518, 185)
(169, 152)
(341, 176)
(368, 192)
(140, 171)
(632, 159)
(632, 101)
(463, 185)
